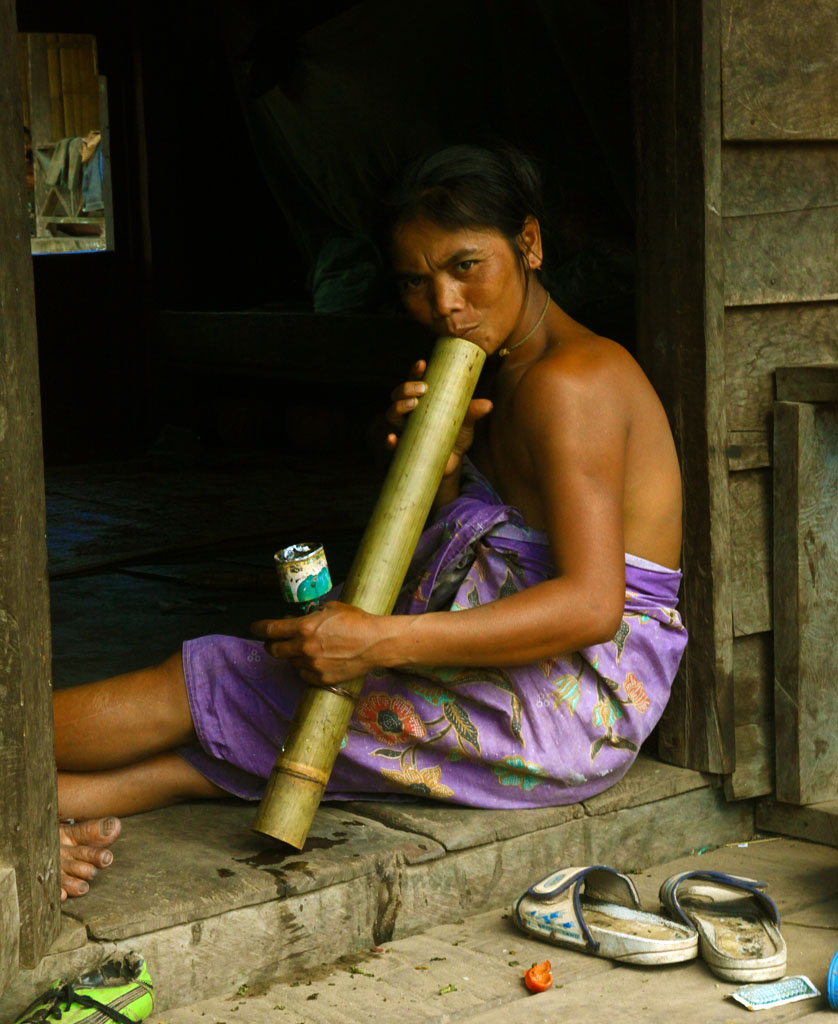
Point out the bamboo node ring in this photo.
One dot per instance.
(302, 771)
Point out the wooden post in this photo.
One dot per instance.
(28, 803)
(105, 146)
(806, 590)
(680, 338)
(40, 113)
(302, 769)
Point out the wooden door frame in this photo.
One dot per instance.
(680, 317)
(28, 795)
(680, 344)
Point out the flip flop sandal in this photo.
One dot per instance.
(118, 991)
(738, 925)
(597, 910)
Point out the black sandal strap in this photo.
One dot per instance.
(68, 995)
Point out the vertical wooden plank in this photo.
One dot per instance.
(9, 929)
(105, 146)
(55, 95)
(80, 123)
(680, 343)
(28, 805)
(23, 58)
(82, 81)
(39, 104)
(754, 772)
(753, 680)
(40, 111)
(90, 84)
(66, 87)
(751, 542)
(71, 57)
(805, 598)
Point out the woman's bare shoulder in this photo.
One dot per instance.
(577, 346)
(577, 361)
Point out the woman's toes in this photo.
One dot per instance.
(92, 832)
(96, 855)
(108, 828)
(73, 868)
(73, 886)
(84, 851)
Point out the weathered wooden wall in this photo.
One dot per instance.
(779, 208)
(28, 808)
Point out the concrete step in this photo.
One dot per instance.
(212, 906)
(472, 969)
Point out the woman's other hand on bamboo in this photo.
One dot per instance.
(405, 399)
(338, 643)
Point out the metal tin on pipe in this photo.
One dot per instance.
(303, 575)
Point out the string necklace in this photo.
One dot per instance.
(504, 352)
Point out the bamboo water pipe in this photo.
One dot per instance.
(303, 767)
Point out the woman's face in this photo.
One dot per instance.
(461, 282)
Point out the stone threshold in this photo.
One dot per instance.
(213, 905)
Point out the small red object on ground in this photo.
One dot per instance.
(539, 977)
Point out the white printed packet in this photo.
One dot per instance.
(775, 993)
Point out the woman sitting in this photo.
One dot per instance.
(535, 640)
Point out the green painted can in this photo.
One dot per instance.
(303, 576)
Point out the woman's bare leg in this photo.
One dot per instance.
(157, 781)
(120, 721)
(114, 745)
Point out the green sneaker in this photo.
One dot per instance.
(117, 990)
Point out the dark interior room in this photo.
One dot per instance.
(221, 366)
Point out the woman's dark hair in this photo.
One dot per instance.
(468, 187)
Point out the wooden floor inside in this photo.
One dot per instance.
(176, 548)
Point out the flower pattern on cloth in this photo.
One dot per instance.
(515, 771)
(421, 781)
(389, 718)
(552, 732)
(636, 692)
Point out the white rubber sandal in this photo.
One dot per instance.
(597, 910)
(738, 925)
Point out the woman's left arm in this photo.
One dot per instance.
(571, 430)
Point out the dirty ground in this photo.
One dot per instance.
(472, 969)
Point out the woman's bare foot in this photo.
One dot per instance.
(84, 850)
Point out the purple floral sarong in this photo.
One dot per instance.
(553, 732)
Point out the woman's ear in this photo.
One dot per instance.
(529, 242)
